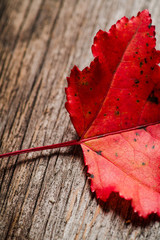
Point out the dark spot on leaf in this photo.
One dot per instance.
(117, 107)
(147, 81)
(137, 134)
(141, 72)
(145, 60)
(99, 152)
(135, 139)
(152, 68)
(136, 81)
(117, 113)
(144, 128)
(149, 26)
(85, 83)
(90, 175)
(146, 145)
(141, 64)
(136, 52)
(91, 89)
(75, 94)
(150, 57)
(105, 114)
(116, 154)
(143, 163)
(87, 150)
(147, 44)
(137, 101)
(152, 98)
(89, 112)
(117, 99)
(153, 146)
(149, 35)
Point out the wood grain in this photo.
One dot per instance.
(47, 195)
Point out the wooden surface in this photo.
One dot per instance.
(47, 195)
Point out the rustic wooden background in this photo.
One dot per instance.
(46, 195)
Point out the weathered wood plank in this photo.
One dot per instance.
(47, 195)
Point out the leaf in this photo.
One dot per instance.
(109, 101)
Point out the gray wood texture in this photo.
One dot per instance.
(46, 195)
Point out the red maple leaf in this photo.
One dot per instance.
(121, 91)
(114, 107)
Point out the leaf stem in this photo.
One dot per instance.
(58, 145)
